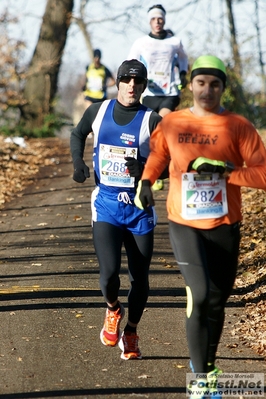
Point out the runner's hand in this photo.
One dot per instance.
(134, 166)
(183, 79)
(144, 197)
(202, 164)
(81, 171)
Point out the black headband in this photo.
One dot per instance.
(209, 71)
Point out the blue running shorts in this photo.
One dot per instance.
(118, 208)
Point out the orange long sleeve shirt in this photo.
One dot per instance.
(182, 136)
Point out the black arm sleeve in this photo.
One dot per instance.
(108, 73)
(81, 131)
(154, 120)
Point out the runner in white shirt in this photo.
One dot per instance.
(159, 51)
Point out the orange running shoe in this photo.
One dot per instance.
(110, 332)
(128, 344)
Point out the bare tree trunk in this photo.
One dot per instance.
(262, 65)
(233, 39)
(83, 27)
(41, 82)
(236, 86)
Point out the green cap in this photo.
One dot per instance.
(209, 65)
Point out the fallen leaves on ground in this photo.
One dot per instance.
(251, 278)
(20, 164)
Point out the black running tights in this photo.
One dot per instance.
(208, 262)
(108, 240)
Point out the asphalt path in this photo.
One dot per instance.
(52, 309)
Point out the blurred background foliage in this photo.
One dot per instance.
(32, 104)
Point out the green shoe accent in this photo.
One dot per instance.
(158, 185)
(212, 379)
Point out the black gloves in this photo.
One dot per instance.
(81, 171)
(144, 197)
(183, 79)
(202, 164)
(134, 166)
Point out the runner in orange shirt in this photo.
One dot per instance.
(212, 153)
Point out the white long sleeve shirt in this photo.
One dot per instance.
(160, 57)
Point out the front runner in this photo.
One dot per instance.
(122, 131)
(204, 208)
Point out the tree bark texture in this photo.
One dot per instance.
(236, 85)
(41, 82)
(233, 39)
